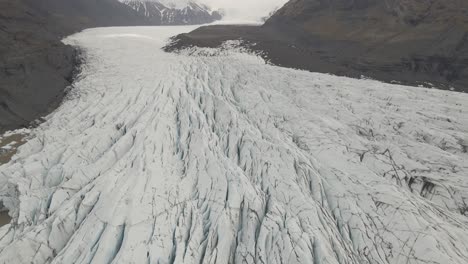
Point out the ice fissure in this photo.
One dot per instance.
(212, 156)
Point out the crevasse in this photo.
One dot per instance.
(217, 157)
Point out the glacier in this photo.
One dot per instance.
(215, 156)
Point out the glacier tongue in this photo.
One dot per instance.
(178, 158)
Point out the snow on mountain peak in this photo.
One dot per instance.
(174, 12)
(177, 4)
(174, 4)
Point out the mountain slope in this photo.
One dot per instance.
(424, 38)
(35, 67)
(406, 41)
(177, 13)
(212, 156)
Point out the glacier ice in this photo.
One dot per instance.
(217, 157)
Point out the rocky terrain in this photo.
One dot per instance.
(35, 66)
(163, 13)
(412, 42)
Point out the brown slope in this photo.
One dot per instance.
(35, 67)
(409, 41)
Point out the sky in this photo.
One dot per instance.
(245, 9)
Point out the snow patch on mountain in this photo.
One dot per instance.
(212, 156)
(177, 4)
(168, 12)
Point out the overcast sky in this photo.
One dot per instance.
(245, 9)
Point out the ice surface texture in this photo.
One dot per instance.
(220, 158)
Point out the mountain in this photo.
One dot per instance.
(407, 38)
(173, 13)
(35, 67)
(405, 41)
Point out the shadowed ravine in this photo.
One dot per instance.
(212, 156)
(4, 218)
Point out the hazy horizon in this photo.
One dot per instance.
(245, 9)
(235, 10)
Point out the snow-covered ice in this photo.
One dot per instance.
(216, 157)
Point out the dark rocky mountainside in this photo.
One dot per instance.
(408, 41)
(159, 14)
(35, 65)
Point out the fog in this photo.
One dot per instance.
(248, 10)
